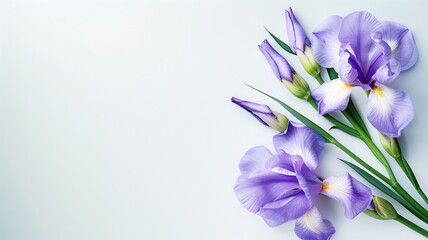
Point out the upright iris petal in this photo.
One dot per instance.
(402, 43)
(302, 141)
(325, 43)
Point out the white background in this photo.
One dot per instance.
(116, 121)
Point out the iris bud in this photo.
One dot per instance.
(298, 87)
(390, 145)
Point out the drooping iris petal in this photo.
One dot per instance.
(280, 66)
(308, 181)
(402, 43)
(389, 110)
(332, 96)
(254, 160)
(296, 35)
(312, 226)
(356, 30)
(300, 140)
(289, 208)
(325, 43)
(257, 190)
(352, 194)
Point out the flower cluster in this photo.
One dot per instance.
(358, 51)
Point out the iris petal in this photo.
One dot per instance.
(308, 181)
(356, 30)
(254, 160)
(389, 110)
(402, 43)
(312, 226)
(332, 96)
(325, 43)
(301, 140)
(255, 191)
(352, 194)
(286, 209)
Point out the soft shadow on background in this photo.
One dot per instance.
(116, 121)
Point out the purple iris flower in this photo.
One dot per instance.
(366, 53)
(284, 186)
(264, 114)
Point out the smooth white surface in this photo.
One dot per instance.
(116, 121)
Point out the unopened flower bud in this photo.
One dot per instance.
(390, 145)
(264, 114)
(308, 61)
(298, 87)
(381, 209)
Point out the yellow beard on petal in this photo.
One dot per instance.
(378, 91)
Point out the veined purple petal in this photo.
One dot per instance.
(300, 140)
(325, 43)
(254, 160)
(282, 163)
(389, 110)
(308, 181)
(296, 35)
(255, 191)
(312, 226)
(381, 67)
(285, 209)
(356, 30)
(402, 43)
(349, 69)
(332, 96)
(280, 66)
(352, 194)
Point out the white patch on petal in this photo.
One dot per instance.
(332, 96)
(389, 110)
(283, 171)
(312, 220)
(337, 187)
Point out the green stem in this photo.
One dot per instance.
(411, 225)
(359, 160)
(336, 122)
(356, 115)
(319, 79)
(368, 141)
(400, 190)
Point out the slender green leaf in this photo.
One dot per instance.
(379, 185)
(281, 43)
